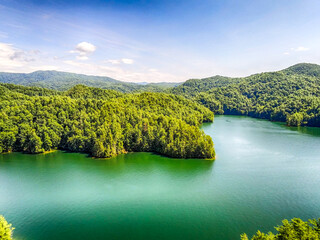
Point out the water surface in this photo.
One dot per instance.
(264, 172)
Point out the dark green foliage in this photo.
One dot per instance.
(291, 95)
(100, 122)
(296, 229)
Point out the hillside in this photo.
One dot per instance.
(102, 123)
(63, 81)
(193, 86)
(308, 69)
(291, 95)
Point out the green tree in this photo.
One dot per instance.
(6, 229)
(296, 229)
(295, 119)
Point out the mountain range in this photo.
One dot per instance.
(63, 81)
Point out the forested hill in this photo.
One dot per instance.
(63, 81)
(100, 122)
(193, 86)
(291, 95)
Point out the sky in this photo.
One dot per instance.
(158, 40)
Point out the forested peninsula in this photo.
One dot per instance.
(102, 123)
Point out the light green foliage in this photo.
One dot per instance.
(5, 229)
(295, 119)
(296, 229)
(100, 122)
(291, 95)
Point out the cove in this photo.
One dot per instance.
(264, 172)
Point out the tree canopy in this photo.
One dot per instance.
(291, 95)
(296, 229)
(100, 122)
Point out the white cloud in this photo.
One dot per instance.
(84, 49)
(127, 61)
(300, 49)
(114, 61)
(120, 61)
(119, 73)
(82, 57)
(11, 57)
(297, 49)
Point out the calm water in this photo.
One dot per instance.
(264, 172)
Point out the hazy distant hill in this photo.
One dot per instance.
(193, 86)
(64, 80)
(304, 68)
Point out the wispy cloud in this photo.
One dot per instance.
(127, 61)
(12, 57)
(300, 49)
(297, 49)
(114, 61)
(120, 73)
(119, 61)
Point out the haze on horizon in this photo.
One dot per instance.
(158, 41)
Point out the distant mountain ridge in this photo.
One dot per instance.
(290, 95)
(193, 86)
(64, 80)
(309, 69)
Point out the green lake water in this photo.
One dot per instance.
(264, 172)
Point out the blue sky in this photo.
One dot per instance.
(157, 41)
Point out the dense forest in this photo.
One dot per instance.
(63, 81)
(100, 122)
(296, 229)
(291, 95)
(105, 123)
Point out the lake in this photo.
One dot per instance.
(264, 172)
